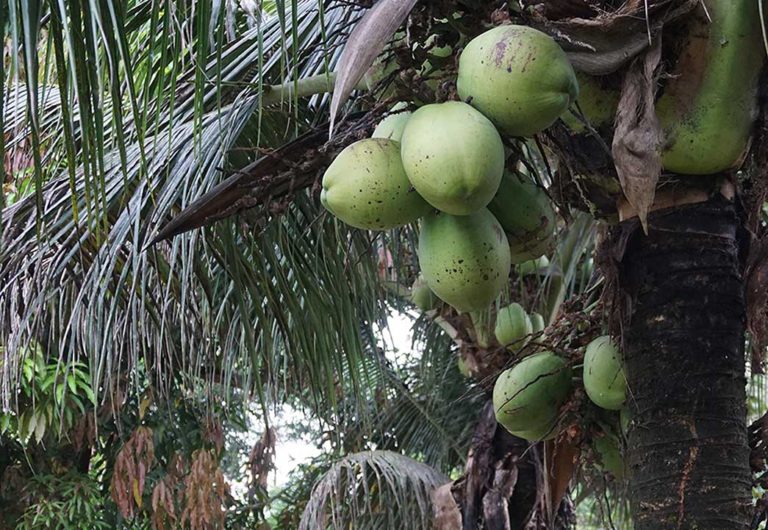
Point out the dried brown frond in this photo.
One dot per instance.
(132, 464)
(204, 492)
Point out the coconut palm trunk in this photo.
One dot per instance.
(684, 351)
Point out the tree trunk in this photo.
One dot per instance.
(683, 317)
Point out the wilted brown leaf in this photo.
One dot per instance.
(133, 462)
(260, 461)
(447, 513)
(204, 492)
(638, 138)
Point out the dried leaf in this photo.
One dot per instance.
(365, 43)
(133, 461)
(447, 513)
(637, 140)
(601, 41)
(561, 460)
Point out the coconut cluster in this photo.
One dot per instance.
(528, 397)
(445, 165)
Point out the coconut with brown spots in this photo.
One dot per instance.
(453, 156)
(366, 187)
(525, 213)
(517, 76)
(464, 259)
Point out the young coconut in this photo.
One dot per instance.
(366, 187)
(422, 296)
(537, 322)
(464, 259)
(453, 156)
(608, 451)
(597, 101)
(517, 76)
(524, 211)
(528, 396)
(513, 326)
(392, 126)
(604, 378)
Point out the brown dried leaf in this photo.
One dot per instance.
(260, 461)
(204, 493)
(638, 137)
(364, 44)
(133, 461)
(561, 460)
(447, 513)
(600, 41)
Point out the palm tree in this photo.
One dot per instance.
(146, 119)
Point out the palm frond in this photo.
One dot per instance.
(255, 300)
(375, 489)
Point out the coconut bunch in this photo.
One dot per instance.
(529, 396)
(444, 165)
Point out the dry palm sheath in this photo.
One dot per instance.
(280, 173)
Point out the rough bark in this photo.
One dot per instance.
(684, 315)
(503, 486)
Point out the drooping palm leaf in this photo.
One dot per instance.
(236, 298)
(376, 490)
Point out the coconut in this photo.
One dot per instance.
(524, 211)
(528, 396)
(537, 322)
(366, 187)
(464, 259)
(517, 76)
(422, 296)
(710, 100)
(392, 126)
(608, 451)
(453, 156)
(513, 326)
(604, 378)
(597, 102)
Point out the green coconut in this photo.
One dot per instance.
(537, 266)
(422, 296)
(709, 102)
(625, 420)
(608, 451)
(392, 126)
(598, 104)
(537, 323)
(528, 396)
(517, 76)
(525, 213)
(366, 187)
(513, 326)
(604, 378)
(464, 259)
(453, 156)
